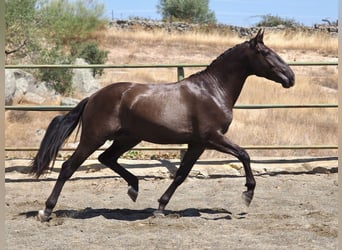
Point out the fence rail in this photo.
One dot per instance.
(179, 67)
(183, 147)
(180, 75)
(136, 66)
(241, 106)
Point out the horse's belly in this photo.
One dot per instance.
(161, 131)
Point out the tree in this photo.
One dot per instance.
(69, 21)
(20, 23)
(193, 11)
(33, 24)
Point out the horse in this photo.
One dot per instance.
(196, 111)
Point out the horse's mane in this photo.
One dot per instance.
(224, 54)
(219, 59)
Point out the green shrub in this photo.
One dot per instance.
(60, 78)
(69, 21)
(273, 21)
(90, 52)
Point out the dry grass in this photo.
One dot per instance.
(115, 36)
(284, 40)
(305, 41)
(250, 127)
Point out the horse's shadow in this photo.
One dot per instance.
(135, 215)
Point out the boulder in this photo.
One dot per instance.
(43, 89)
(10, 86)
(83, 82)
(16, 85)
(21, 89)
(68, 101)
(21, 86)
(32, 98)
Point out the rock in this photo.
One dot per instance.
(68, 101)
(33, 98)
(17, 83)
(46, 91)
(41, 88)
(53, 100)
(21, 89)
(10, 86)
(83, 81)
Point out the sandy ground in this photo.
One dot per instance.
(295, 207)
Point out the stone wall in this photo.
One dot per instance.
(221, 28)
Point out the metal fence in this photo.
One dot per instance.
(180, 76)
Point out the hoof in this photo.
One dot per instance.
(42, 217)
(247, 197)
(132, 193)
(159, 213)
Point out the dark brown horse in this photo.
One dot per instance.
(196, 111)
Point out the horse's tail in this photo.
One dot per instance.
(57, 132)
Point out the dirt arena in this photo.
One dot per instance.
(294, 207)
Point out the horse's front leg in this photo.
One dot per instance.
(189, 159)
(222, 144)
(250, 181)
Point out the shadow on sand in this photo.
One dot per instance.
(135, 215)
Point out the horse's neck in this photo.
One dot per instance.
(229, 78)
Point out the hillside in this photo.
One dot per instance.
(251, 127)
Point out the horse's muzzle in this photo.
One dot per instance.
(288, 83)
(287, 80)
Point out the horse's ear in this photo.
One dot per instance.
(259, 38)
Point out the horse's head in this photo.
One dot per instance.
(266, 63)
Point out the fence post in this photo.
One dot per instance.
(180, 76)
(180, 73)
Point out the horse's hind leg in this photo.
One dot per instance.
(110, 157)
(67, 170)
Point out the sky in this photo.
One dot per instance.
(243, 13)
